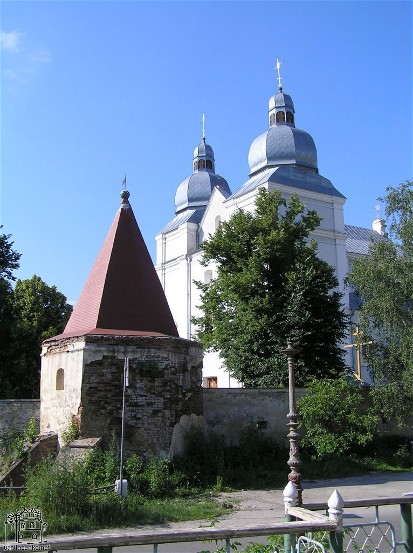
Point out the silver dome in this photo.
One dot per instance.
(281, 100)
(196, 190)
(204, 150)
(282, 145)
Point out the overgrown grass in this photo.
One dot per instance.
(14, 442)
(161, 490)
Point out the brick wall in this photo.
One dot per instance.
(16, 413)
(164, 384)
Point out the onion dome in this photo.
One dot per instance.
(195, 191)
(283, 143)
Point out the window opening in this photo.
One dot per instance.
(60, 379)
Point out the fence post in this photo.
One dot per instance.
(290, 494)
(335, 513)
(406, 526)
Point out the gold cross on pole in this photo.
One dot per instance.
(358, 335)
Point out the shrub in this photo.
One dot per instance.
(336, 418)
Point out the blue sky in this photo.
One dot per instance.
(95, 90)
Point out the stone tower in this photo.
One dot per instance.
(122, 312)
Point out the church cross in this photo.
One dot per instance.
(277, 67)
(358, 335)
(203, 127)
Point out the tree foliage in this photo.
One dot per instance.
(271, 287)
(29, 313)
(384, 280)
(40, 312)
(336, 416)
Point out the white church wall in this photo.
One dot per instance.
(177, 242)
(215, 213)
(172, 277)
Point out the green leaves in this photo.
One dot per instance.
(335, 417)
(29, 314)
(384, 280)
(270, 287)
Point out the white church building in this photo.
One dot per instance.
(282, 158)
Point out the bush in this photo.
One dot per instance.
(335, 417)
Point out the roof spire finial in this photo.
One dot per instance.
(377, 208)
(203, 127)
(277, 67)
(124, 195)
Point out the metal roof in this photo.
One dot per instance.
(282, 145)
(359, 239)
(195, 191)
(188, 216)
(281, 100)
(297, 177)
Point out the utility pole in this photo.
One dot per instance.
(121, 485)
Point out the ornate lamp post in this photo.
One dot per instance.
(294, 461)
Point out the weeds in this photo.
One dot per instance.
(13, 443)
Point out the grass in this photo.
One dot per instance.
(184, 489)
(109, 510)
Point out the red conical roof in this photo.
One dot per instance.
(123, 291)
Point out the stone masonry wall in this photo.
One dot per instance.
(15, 414)
(165, 376)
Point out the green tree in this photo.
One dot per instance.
(336, 416)
(40, 311)
(384, 281)
(9, 262)
(271, 287)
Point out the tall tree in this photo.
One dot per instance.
(9, 262)
(384, 280)
(271, 287)
(41, 311)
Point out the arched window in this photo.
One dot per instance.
(208, 276)
(272, 118)
(290, 117)
(217, 221)
(195, 165)
(201, 164)
(280, 117)
(209, 164)
(60, 379)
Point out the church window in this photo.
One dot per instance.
(60, 379)
(280, 117)
(208, 276)
(272, 118)
(208, 164)
(290, 117)
(217, 221)
(195, 165)
(201, 164)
